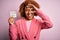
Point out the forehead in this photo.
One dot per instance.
(29, 6)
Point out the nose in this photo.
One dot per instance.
(29, 11)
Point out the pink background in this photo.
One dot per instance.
(50, 7)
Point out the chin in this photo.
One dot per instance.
(30, 18)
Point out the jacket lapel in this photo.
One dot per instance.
(24, 28)
(31, 30)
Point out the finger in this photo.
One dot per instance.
(11, 18)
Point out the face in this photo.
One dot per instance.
(29, 12)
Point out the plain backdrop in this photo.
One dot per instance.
(49, 7)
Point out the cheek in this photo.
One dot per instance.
(32, 14)
(26, 12)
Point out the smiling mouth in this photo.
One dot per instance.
(30, 15)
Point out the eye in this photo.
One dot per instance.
(27, 9)
(32, 9)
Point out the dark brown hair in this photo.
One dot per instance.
(24, 4)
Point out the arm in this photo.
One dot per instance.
(12, 32)
(46, 22)
(12, 29)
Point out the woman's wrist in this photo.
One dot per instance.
(11, 23)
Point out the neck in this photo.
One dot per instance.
(28, 19)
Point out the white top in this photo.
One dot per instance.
(28, 25)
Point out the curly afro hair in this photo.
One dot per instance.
(24, 4)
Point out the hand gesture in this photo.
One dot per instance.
(11, 20)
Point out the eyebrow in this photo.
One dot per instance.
(30, 8)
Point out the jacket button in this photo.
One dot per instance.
(22, 38)
(34, 36)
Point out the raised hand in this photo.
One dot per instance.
(33, 6)
(11, 20)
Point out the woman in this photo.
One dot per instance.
(27, 27)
